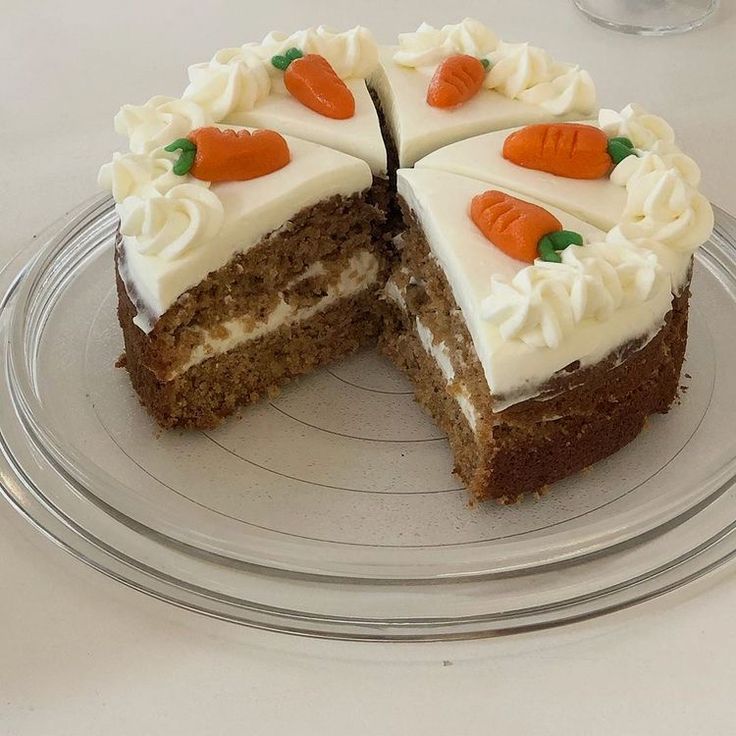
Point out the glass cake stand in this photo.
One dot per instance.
(332, 510)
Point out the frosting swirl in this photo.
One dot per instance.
(571, 91)
(531, 75)
(352, 53)
(545, 301)
(159, 121)
(170, 225)
(662, 205)
(233, 81)
(428, 45)
(141, 175)
(663, 156)
(641, 128)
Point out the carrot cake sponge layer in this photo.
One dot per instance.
(550, 339)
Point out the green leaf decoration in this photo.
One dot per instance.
(486, 63)
(184, 163)
(620, 148)
(181, 144)
(282, 61)
(547, 250)
(551, 244)
(562, 238)
(188, 152)
(622, 139)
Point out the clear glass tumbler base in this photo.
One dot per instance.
(648, 17)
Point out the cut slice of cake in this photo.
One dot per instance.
(520, 84)
(535, 365)
(229, 288)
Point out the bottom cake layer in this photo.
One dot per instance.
(532, 444)
(206, 393)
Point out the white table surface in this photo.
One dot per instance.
(80, 654)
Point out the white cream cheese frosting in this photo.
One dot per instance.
(240, 86)
(159, 121)
(428, 46)
(174, 236)
(598, 201)
(524, 85)
(529, 321)
(652, 194)
(358, 136)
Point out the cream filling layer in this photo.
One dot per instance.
(441, 355)
(360, 273)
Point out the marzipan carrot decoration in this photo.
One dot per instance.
(520, 229)
(456, 80)
(313, 81)
(212, 154)
(566, 149)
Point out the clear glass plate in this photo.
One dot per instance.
(332, 510)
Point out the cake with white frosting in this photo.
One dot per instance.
(537, 296)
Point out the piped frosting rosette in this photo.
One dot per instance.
(516, 70)
(664, 221)
(544, 302)
(164, 214)
(159, 121)
(172, 224)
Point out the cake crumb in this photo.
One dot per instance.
(122, 361)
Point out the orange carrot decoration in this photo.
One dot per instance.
(218, 155)
(313, 81)
(456, 80)
(566, 149)
(520, 229)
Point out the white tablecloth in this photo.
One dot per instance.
(80, 654)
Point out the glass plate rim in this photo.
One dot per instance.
(13, 274)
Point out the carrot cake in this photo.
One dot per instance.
(536, 294)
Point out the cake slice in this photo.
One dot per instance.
(533, 369)
(229, 288)
(521, 84)
(245, 86)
